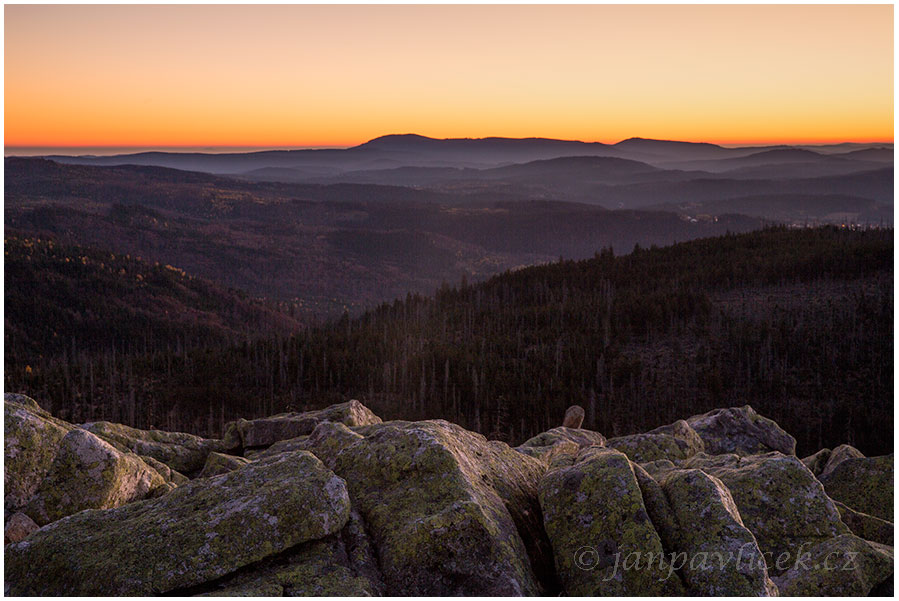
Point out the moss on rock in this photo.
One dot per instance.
(185, 453)
(866, 526)
(220, 463)
(742, 431)
(268, 430)
(548, 445)
(715, 551)
(844, 566)
(196, 533)
(598, 524)
(864, 484)
(779, 500)
(88, 473)
(448, 512)
(674, 442)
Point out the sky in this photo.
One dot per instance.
(338, 75)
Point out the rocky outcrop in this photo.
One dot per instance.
(325, 442)
(816, 462)
(779, 500)
(449, 513)
(31, 438)
(267, 431)
(17, 527)
(220, 463)
(196, 533)
(88, 473)
(596, 519)
(55, 469)
(673, 443)
(742, 431)
(866, 526)
(353, 506)
(717, 553)
(339, 565)
(838, 456)
(845, 566)
(560, 441)
(185, 453)
(863, 483)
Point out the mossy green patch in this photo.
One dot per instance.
(196, 533)
(596, 520)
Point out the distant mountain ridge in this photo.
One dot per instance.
(397, 150)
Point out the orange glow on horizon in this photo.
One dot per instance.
(336, 76)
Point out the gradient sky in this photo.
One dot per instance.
(340, 75)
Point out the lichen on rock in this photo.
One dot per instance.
(448, 512)
(842, 566)
(220, 463)
(196, 533)
(742, 431)
(185, 453)
(779, 500)
(560, 441)
(266, 431)
(30, 441)
(674, 442)
(864, 484)
(597, 521)
(715, 551)
(88, 473)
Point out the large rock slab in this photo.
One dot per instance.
(864, 484)
(88, 473)
(844, 566)
(717, 554)
(340, 565)
(866, 526)
(18, 527)
(838, 456)
(597, 522)
(325, 442)
(269, 430)
(816, 462)
(185, 453)
(448, 512)
(779, 500)
(560, 441)
(674, 442)
(742, 431)
(196, 533)
(31, 438)
(220, 463)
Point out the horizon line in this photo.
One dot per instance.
(345, 145)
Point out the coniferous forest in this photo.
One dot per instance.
(796, 322)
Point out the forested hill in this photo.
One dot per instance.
(797, 323)
(68, 299)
